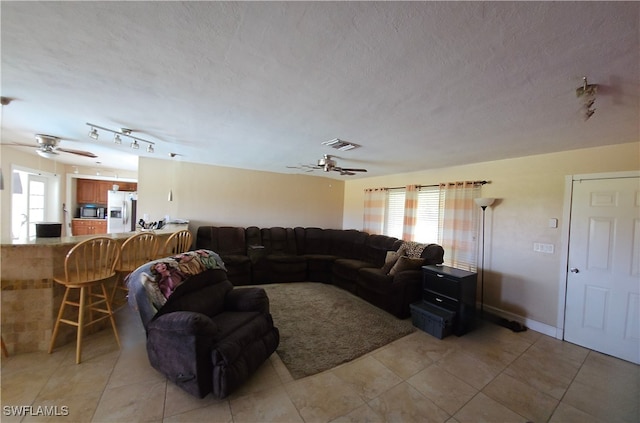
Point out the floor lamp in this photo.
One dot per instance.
(484, 203)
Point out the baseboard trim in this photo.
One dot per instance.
(529, 323)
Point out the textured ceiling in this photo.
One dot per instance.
(261, 85)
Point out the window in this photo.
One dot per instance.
(395, 213)
(428, 214)
(443, 216)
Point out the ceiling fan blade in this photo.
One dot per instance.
(78, 152)
(347, 169)
(19, 144)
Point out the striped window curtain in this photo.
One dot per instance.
(458, 224)
(375, 206)
(410, 213)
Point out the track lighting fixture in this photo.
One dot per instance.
(94, 134)
(117, 137)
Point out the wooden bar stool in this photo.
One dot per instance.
(178, 242)
(87, 267)
(4, 348)
(139, 249)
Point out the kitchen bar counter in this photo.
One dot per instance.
(30, 297)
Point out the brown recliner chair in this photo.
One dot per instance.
(208, 336)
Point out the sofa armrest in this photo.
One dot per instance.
(247, 299)
(185, 323)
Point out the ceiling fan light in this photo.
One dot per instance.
(94, 134)
(47, 154)
(135, 145)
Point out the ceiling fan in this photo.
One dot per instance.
(48, 147)
(328, 164)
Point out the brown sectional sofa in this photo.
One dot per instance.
(350, 259)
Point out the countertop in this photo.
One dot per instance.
(66, 240)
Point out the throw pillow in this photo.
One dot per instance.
(390, 260)
(406, 263)
(413, 249)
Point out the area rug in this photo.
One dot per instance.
(322, 326)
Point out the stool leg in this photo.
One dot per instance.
(4, 348)
(113, 321)
(54, 335)
(80, 325)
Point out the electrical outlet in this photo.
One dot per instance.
(540, 247)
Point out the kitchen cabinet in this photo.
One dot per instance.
(126, 186)
(86, 191)
(88, 227)
(102, 191)
(91, 191)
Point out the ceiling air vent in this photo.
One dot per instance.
(341, 145)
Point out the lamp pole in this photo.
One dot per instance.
(483, 203)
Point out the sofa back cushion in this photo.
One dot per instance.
(224, 240)
(376, 247)
(280, 241)
(206, 237)
(346, 243)
(253, 236)
(316, 241)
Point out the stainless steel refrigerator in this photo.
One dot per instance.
(121, 211)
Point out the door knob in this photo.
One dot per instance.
(574, 270)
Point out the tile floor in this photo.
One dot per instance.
(490, 375)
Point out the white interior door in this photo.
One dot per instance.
(603, 283)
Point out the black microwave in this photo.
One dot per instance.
(91, 212)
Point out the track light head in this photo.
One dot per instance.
(94, 134)
(117, 139)
(135, 145)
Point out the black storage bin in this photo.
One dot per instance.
(48, 230)
(432, 319)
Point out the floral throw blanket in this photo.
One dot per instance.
(151, 284)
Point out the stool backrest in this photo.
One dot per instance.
(92, 260)
(138, 250)
(178, 242)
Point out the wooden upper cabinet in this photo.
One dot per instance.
(102, 191)
(86, 191)
(91, 191)
(127, 186)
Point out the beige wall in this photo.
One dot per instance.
(214, 195)
(530, 191)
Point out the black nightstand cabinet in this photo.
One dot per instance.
(452, 289)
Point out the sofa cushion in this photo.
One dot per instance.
(374, 279)
(347, 243)
(348, 268)
(315, 241)
(376, 247)
(406, 263)
(390, 261)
